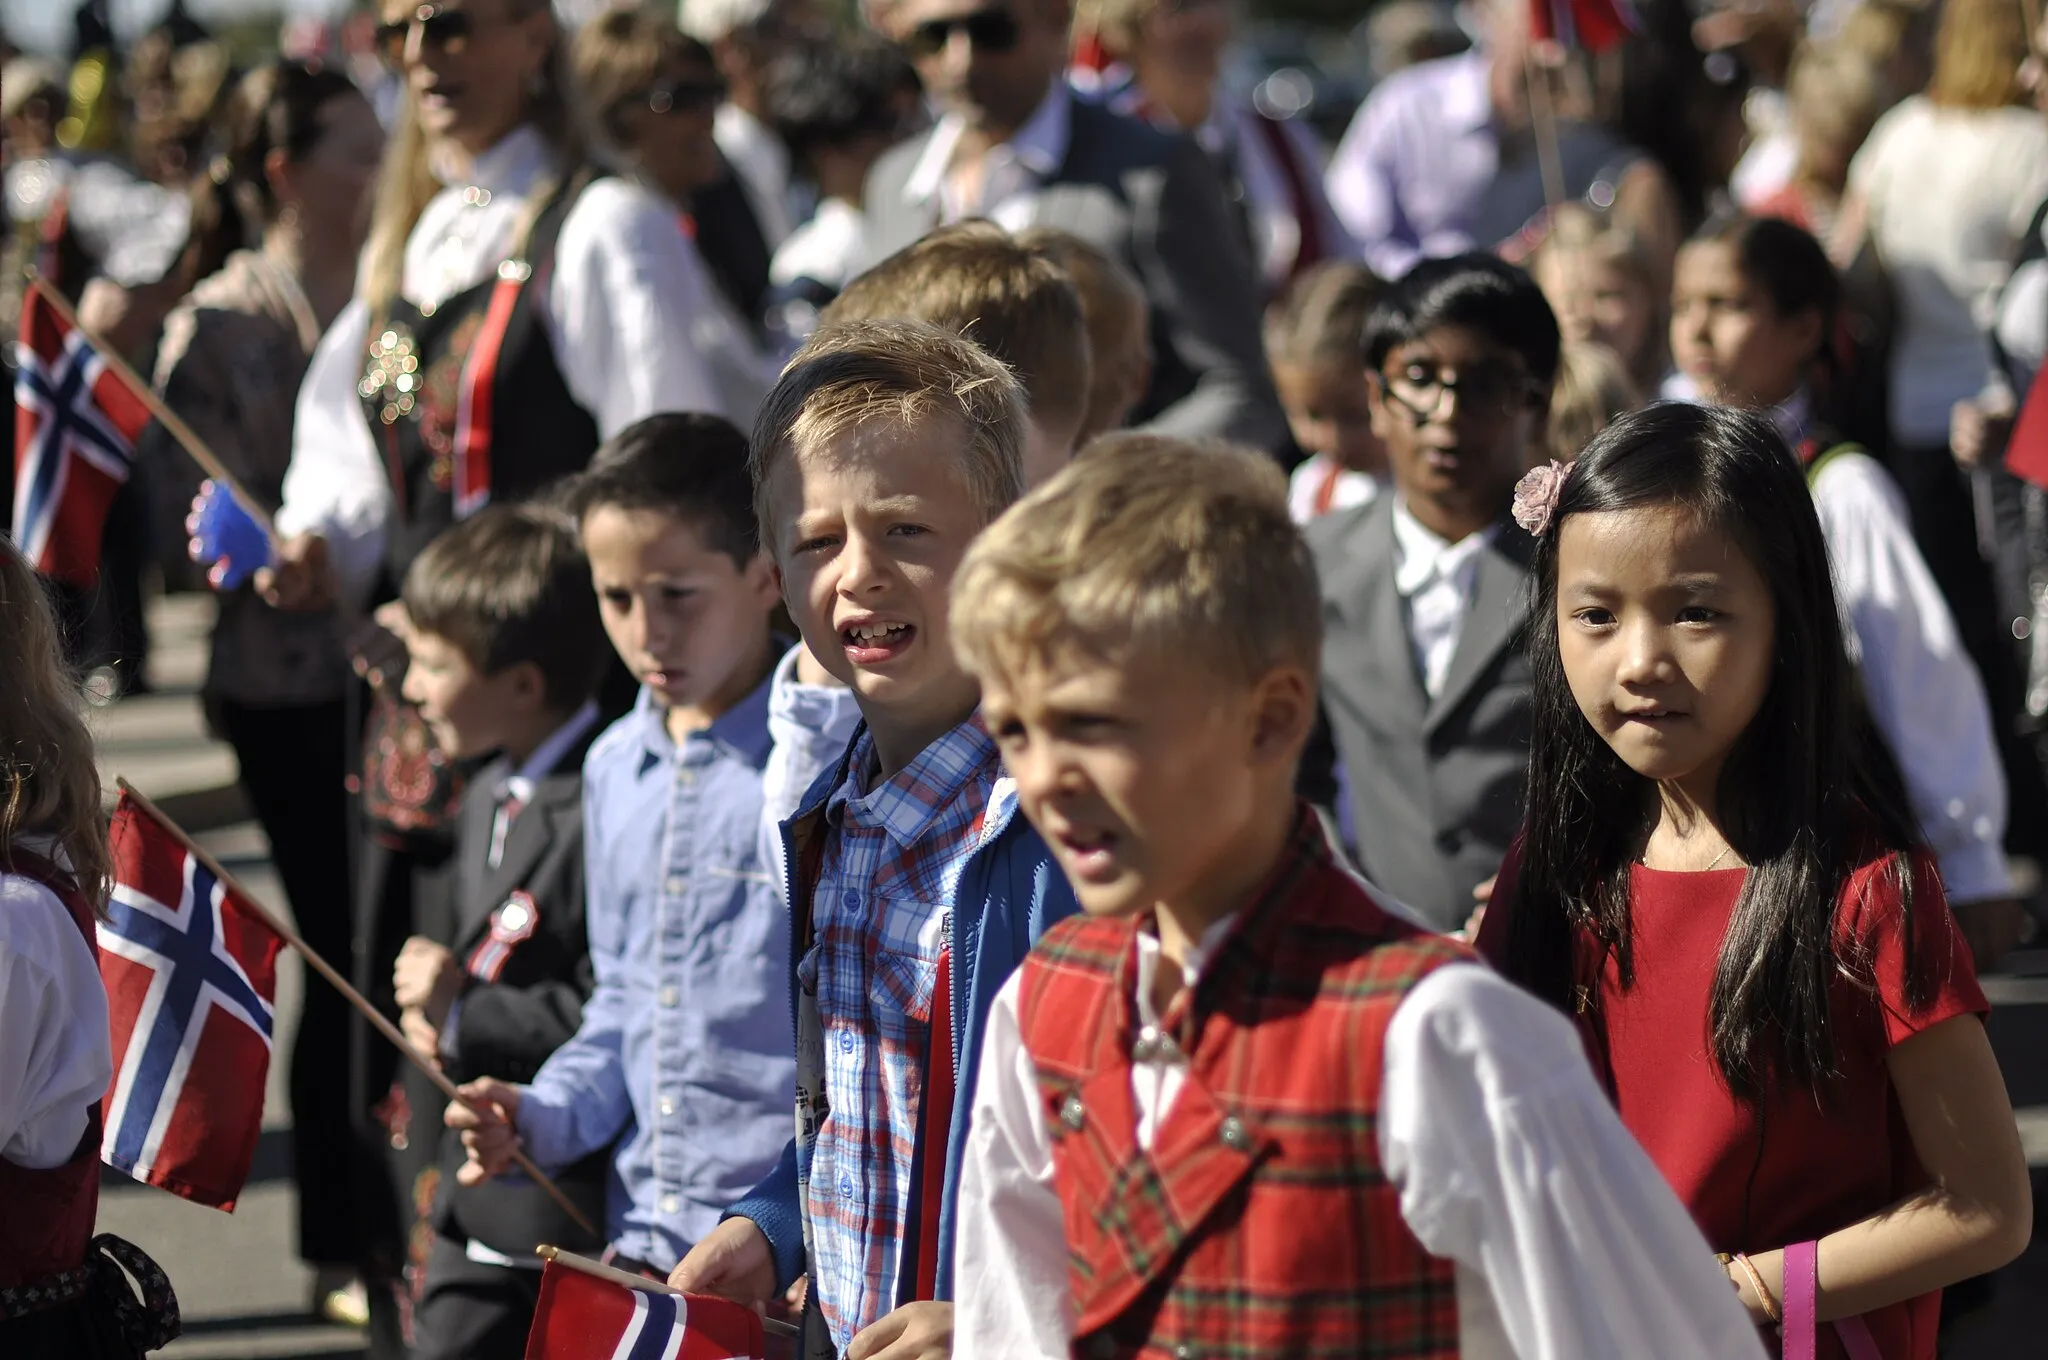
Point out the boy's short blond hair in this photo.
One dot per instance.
(908, 374)
(1170, 546)
(1118, 318)
(1593, 388)
(1016, 303)
(1320, 317)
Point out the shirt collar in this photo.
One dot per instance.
(541, 763)
(741, 729)
(1421, 555)
(905, 804)
(1039, 146)
(1793, 417)
(510, 166)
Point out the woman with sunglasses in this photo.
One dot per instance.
(655, 94)
(515, 306)
(1166, 65)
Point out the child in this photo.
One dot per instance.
(506, 651)
(1018, 305)
(916, 888)
(1119, 327)
(1425, 680)
(1313, 334)
(1794, 1038)
(1320, 1096)
(1605, 287)
(837, 106)
(1752, 313)
(682, 1063)
(1592, 389)
(58, 1292)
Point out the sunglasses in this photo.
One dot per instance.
(990, 30)
(691, 94)
(444, 29)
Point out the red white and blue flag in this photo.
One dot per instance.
(582, 1317)
(191, 974)
(76, 421)
(1588, 25)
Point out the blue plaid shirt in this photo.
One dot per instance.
(683, 1054)
(880, 918)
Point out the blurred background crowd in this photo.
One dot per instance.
(161, 160)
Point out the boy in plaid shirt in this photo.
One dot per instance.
(914, 886)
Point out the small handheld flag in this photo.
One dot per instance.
(583, 1316)
(76, 421)
(1588, 25)
(191, 976)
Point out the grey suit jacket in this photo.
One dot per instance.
(1436, 784)
(1152, 200)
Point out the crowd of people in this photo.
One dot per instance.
(950, 576)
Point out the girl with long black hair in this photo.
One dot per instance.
(1718, 878)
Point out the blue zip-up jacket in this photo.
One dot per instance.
(1011, 890)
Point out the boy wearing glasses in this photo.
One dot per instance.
(1425, 676)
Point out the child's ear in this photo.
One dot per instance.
(1283, 712)
(764, 578)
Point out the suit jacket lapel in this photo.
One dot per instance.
(1383, 618)
(1500, 607)
(533, 831)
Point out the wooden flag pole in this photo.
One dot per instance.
(165, 416)
(1543, 123)
(341, 984)
(600, 1270)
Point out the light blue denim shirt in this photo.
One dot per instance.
(685, 1054)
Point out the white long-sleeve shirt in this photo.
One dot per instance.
(1924, 691)
(56, 1055)
(627, 313)
(1566, 1241)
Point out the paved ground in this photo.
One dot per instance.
(244, 1291)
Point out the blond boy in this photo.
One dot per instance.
(914, 886)
(1241, 1106)
(1017, 304)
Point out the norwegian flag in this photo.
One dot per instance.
(191, 974)
(2026, 450)
(76, 421)
(1589, 25)
(582, 1317)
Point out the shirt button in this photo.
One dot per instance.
(669, 1204)
(1956, 808)
(847, 1043)
(846, 1187)
(677, 884)
(686, 776)
(667, 1105)
(850, 900)
(1073, 1113)
(669, 996)
(1234, 1134)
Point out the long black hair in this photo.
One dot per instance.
(1806, 795)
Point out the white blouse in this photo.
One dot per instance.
(1510, 1163)
(56, 1054)
(627, 312)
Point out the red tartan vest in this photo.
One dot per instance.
(49, 1215)
(1260, 1223)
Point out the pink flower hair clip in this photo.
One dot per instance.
(1536, 495)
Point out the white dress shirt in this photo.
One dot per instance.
(1319, 478)
(761, 162)
(1435, 580)
(626, 311)
(1510, 1163)
(56, 1055)
(1924, 691)
(1011, 173)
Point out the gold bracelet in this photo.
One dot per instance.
(1763, 1295)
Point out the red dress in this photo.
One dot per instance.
(1795, 1170)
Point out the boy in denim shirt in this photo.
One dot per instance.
(683, 1055)
(915, 888)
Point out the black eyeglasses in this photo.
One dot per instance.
(990, 30)
(445, 29)
(1490, 390)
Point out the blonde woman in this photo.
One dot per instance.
(58, 1289)
(516, 307)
